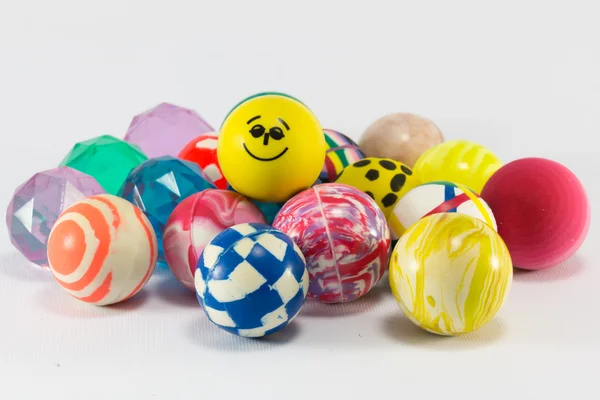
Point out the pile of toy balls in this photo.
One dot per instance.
(272, 209)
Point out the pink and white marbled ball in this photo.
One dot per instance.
(344, 236)
(196, 221)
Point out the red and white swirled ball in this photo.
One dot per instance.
(344, 236)
(102, 250)
(203, 151)
(196, 221)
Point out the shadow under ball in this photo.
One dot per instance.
(400, 136)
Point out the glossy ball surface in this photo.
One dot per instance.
(269, 210)
(341, 152)
(203, 151)
(450, 273)
(105, 158)
(271, 147)
(102, 250)
(251, 280)
(400, 136)
(383, 179)
(542, 210)
(165, 129)
(158, 185)
(196, 221)
(343, 235)
(438, 197)
(37, 204)
(458, 161)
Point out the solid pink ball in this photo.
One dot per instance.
(542, 211)
(196, 221)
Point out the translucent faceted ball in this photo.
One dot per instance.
(37, 204)
(158, 185)
(108, 159)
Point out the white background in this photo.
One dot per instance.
(521, 77)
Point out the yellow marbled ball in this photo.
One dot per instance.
(450, 273)
(383, 179)
(458, 161)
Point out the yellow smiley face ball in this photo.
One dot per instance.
(450, 273)
(271, 147)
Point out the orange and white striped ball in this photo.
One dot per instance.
(102, 250)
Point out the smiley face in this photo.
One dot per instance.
(271, 146)
(258, 131)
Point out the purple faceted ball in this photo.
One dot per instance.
(37, 204)
(165, 130)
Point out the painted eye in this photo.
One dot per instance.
(276, 133)
(257, 131)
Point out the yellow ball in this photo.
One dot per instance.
(458, 161)
(450, 273)
(271, 146)
(384, 179)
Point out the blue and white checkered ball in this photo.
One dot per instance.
(251, 280)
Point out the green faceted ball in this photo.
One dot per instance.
(107, 159)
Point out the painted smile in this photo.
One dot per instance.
(265, 159)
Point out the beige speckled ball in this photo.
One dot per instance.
(401, 136)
